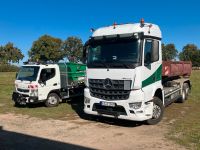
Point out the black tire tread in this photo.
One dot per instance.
(50, 105)
(159, 102)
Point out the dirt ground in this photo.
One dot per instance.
(22, 132)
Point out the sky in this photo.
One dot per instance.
(24, 21)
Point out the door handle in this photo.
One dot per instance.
(55, 84)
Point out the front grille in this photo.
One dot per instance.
(119, 89)
(23, 90)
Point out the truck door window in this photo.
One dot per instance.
(147, 51)
(155, 51)
(151, 51)
(47, 74)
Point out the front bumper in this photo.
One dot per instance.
(23, 99)
(122, 109)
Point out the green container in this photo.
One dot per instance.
(72, 74)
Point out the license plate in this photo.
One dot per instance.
(110, 104)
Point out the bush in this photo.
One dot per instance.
(8, 68)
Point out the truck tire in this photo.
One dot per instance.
(158, 110)
(17, 104)
(52, 100)
(187, 89)
(185, 93)
(20, 104)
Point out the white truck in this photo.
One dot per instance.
(49, 83)
(126, 77)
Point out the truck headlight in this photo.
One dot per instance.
(135, 105)
(86, 100)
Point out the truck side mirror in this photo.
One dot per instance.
(40, 81)
(16, 74)
(83, 60)
(85, 52)
(84, 55)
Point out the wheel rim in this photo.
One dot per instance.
(156, 111)
(187, 90)
(52, 100)
(183, 95)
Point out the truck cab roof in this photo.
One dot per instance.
(41, 65)
(147, 29)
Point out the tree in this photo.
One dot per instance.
(9, 53)
(190, 52)
(169, 52)
(73, 47)
(46, 48)
(2, 54)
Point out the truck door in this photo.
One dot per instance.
(49, 80)
(152, 68)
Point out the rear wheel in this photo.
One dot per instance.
(185, 93)
(187, 89)
(52, 100)
(158, 110)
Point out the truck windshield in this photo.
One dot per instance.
(28, 73)
(114, 53)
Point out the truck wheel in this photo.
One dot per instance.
(52, 100)
(20, 104)
(184, 94)
(187, 89)
(17, 104)
(158, 110)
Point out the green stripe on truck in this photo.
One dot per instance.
(156, 76)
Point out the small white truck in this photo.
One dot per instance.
(49, 83)
(126, 77)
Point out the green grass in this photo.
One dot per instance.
(7, 105)
(186, 129)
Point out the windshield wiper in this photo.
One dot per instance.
(121, 64)
(129, 65)
(102, 64)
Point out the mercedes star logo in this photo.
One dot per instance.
(107, 83)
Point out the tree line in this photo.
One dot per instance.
(45, 48)
(9, 53)
(48, 48)
(190, 52)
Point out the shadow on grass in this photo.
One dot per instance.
(36, 105)
(77, 105)
(18, 141)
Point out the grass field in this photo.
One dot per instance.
(186, 128)
(184, 119)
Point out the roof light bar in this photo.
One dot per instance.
(142, 22)
(114, 25)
